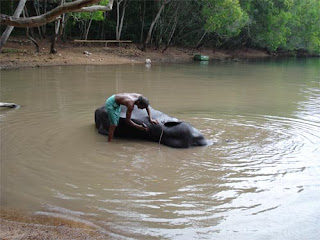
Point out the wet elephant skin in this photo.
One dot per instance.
(170, 131)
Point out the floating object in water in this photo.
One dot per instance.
(147, 61)
(200, 57)
(8, 105)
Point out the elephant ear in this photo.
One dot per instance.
(171, 124)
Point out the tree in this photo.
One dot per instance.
(86, 18)
(9, 29)
(154, 21)
(224, 18)
(76, 6)
(305, 26)
(120, 21)
(171, 24)
(268, 25)
(289, 25)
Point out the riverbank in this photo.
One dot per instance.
(15, 225)
(19, 53)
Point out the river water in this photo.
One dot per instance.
(258, 179)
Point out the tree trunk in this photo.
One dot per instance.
(118, 17)
(122, 17)
(171, 34)
(62, 26)
(55, 37)
(57, 31)
(144, 48)
(199, 42)
(159, 36)
(33, 41)
(87, 30)
(120, 21)
(38, 13)
(143, 17)
(25, 13)
(9, 29)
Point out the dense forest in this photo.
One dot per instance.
(273, 25)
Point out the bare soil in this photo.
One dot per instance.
(19, 53)
(16, 225)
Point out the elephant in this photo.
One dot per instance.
(169, 131)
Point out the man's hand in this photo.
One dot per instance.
(153, 121)
(144, 127)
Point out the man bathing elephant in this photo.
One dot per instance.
(122, 116)
(129, 100)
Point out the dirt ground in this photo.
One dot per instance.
(20, 53)
(26, 226)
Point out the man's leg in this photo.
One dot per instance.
(111, 131)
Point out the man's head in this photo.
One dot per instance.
(142, 102)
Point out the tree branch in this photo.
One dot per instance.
(96, 8)
(51, 15)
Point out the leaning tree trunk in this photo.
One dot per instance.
(122, 18)
(9, 29)
(87, 26)
(148, 38)
(118, 19)
(199, 42)
(33, 41)
(171, 34)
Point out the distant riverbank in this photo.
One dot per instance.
(19, 53)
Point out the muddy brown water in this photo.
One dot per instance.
(258, 179)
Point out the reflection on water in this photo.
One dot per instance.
(259, 178)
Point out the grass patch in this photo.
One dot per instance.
(13, 50)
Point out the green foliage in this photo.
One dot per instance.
(226, 18)
(286, 25)
(305, 26)
(95, 16)
(268, 25)
(275, 32)
(289, 25)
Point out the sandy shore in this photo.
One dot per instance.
(20, 53)
(16, 225)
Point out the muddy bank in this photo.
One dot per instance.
(21, 53)
(22, 225)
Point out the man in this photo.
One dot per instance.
(129, 100)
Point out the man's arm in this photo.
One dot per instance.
(130, 122)
(150, 117)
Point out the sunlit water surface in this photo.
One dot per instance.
(258, 179)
